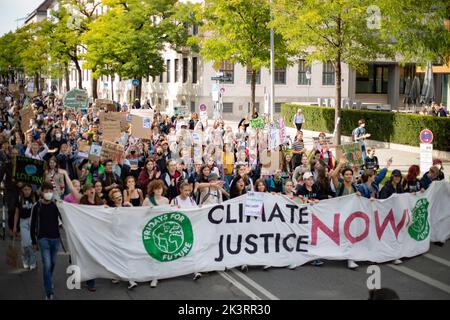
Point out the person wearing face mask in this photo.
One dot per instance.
(45, 235)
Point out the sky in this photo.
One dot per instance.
(10, 10)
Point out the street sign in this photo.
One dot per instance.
(221, 78)
(135, 82)
(203, 107)
(426, 136)
(76, 98)
(426, 157)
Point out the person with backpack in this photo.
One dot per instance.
(45, 235)
(343, 188)
(27, 199)
(215, 193)
(369, 188)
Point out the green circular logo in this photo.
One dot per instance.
(420, 227)
(168, 236)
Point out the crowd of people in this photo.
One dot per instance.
(167, 168)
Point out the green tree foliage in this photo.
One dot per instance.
(355, 32)
(129, 38)
(238, 31)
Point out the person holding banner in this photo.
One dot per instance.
(411, 183)
(392, 186)
(155, 194)
(131, 194)
(344, 187)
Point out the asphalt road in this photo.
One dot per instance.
(422, 277)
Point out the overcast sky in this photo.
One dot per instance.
(10, 10)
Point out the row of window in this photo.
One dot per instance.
(304, 74)
(228, 107)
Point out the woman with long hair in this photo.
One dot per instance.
(54, 175)
(131, 194)
(237, 187)
(155, 194)
(149, 173)
(411, 183)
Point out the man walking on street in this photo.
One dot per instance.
(45, 233)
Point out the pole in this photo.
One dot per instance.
(272, 71)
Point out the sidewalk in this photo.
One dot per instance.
(402, 160)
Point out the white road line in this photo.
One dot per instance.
(239, 285)
(421, 277)
(437, 259)
(255, 285)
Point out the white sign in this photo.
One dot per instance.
(254, 202)
(30, 86)
(274, 138)
(426, 157)
(215, 92)
(146, 123)
(348, 227)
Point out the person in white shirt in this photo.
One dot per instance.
(299, 119)
(33, 151)
(184, 200)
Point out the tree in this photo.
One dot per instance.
(356, 32)
(238, 31)
(129, 38)
(70, 23)
(9, 60)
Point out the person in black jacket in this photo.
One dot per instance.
(393, 186)
(45, 234)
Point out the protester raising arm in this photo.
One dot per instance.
(337, 170)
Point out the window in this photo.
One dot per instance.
(227, 107)
(280, 75)
(303, 69)
(373, 80)
(194, 29)
(161, 79)
(194, 70)
(249, 76)
(176, 70)
(278, 107)
(185, 69)
(227, 68)
(192, 106)
(159, 101)
(328, 74)
(168, 71)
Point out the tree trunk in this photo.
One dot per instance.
(253, 89)
(66, 75)
(80, 75)
(94, 86)
(338, 73)
(37, 84)
(139, 89)
(112, 87)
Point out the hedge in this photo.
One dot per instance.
(395, 127)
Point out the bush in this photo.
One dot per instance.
(391, 127)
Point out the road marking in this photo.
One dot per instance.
(255, 285)
(239, 285)
(437, 259)
(421, 277)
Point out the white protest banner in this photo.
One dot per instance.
(254, 202)
(282, 130)
(274, 138)
(142, 243)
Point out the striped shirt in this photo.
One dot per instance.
(298, 146)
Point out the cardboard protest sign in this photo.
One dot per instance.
(352, 152)
(114, 116)
(141, 122)
(26, 114)
(270, 161)
(28, 170)
(111, 130)
(83, 149)
(112, 151)
(105, 104)
(95, 152)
